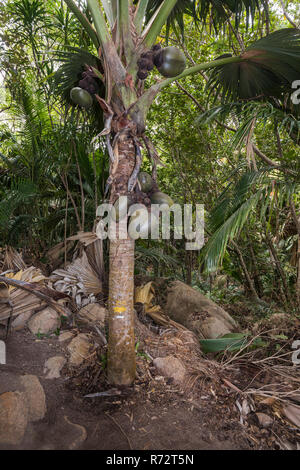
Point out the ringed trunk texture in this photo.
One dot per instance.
(121, 343)
(121, 346)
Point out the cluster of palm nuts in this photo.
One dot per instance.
(87, 87)
(141, 220)
(169, 61)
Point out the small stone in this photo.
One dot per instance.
(21, 321)
(264, 420)
(44, 322)
(35, 397)
(13, 417)
(53, 366)
(65, 336)
(79, 349)
(93, 313)
(171, 367)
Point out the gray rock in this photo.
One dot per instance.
(196, 312)
(44, 322)
(93, 313)
(65, 336)
(21, 321)
(79, 349)
(171, 367)
(35, 397)
(13, 417)
(53, 366)
(264, 420)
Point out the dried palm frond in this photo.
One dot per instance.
(30, 274)
(79, 280)
(86, 238)
(85, 273)
(27, 293)
(144, 295)
(12, 260)
(55, 254)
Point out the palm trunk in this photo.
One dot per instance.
(121, 346)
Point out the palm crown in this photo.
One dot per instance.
(267, 68)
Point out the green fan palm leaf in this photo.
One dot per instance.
(216, 11)
(268, 69)
(69, 73)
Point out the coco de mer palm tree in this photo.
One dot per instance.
(125, 35)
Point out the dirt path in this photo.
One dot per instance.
(155, 415)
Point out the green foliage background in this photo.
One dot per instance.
(52, 178)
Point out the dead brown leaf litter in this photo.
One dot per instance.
(245, 401)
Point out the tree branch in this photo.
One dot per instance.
(288, 16)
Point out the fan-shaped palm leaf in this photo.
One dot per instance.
(200, 10)
(269, 68)
(69, 73)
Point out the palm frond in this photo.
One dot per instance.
(215, 249)
(69, 73)
(254, 189)
(175, 19)
(269, 68)
(287, 118)
(29, 17)
(154, 255)
(232, 198)
(216, 11)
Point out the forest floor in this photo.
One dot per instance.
(155, 414)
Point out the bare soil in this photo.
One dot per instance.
(155, 414)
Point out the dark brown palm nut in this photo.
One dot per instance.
(150, 65)
(158, 59)
(156, 47)
(142, 63)
(147, 55)
(89, 85)
(142, 74)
